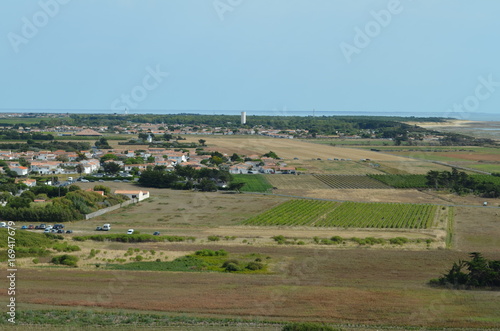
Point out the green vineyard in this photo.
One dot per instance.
(351, 182)
(402, 181)
(253, 183)
(346, 214)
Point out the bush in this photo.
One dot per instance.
(255, 266)
(64, 247)
(209, 252)
(213, 238)
(228, 262)
(231, 267)
(336, 239)
(398, 241)
(65, 259)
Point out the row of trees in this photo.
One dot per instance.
(186, 178)
(15, 135)
(66, 204)
(461, 183)
(478, 272)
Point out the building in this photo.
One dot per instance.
(243, 117)
(139, 195)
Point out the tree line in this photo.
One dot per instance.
(462, 183)
(477, 272)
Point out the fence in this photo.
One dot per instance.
(108, 209)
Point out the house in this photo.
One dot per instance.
(20, 171)
(46, 167)
(139, 195)
(240, 168)
(29, 182)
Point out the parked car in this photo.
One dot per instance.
(69, 231)
(24, 227)
(31, 226)
(130, 231)
(42, 226)
(3, 225)
(58, 226)
(85, 180)
(157, 233)
(46, 231)
(98, 228)
(60, 231)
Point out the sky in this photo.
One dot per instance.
(275, 57)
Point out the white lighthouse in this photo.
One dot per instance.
(243, 117)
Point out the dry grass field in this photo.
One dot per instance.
(379, 286)
(289, 149)
(336, 286)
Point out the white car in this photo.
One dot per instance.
(130, 231)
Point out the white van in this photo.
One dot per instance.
(106, 227)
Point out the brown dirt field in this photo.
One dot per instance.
(473, 157)
(321, 285)
(304, 182)
(413, 167)
(289, 148)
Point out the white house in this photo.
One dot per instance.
(20, 171)
(139, 195)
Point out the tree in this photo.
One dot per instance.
(111, 167)
(80, 169)
(207, 185)
(103, 188)
(235, 157)
(236, 186)
(102, 143)
(81, 156)
(271, 154)
(202, 142)
(62, 158)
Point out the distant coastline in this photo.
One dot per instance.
(473, 116)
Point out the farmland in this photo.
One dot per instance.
(253, 183)
(348, 284)
(347, 214)
(351, 182)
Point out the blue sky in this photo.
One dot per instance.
(272, 56)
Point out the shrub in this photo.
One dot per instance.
(213, 238)
(231, 267)
(209, 252)
(398, 241)
(228, 262)
(139, 258)
(336, 239)
(65, 259)
(255, 266)
(64, 247)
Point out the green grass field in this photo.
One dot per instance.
(253, 183)
(486, 167)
